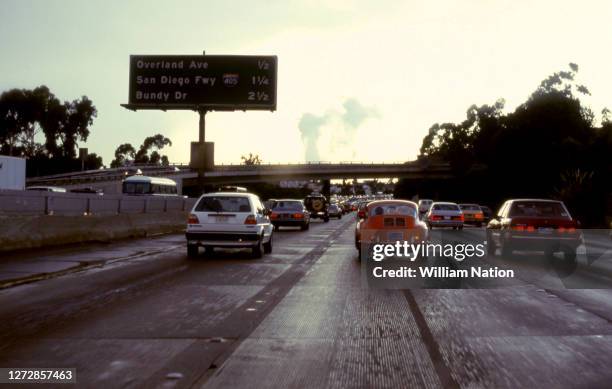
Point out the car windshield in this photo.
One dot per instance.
(223, 204)
(392, 209)
(445, 207)
(287, 206)
(538, 209)
(469, 207)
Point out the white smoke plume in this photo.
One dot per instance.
(333, 134)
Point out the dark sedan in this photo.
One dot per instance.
(289, 213)
(534, 225)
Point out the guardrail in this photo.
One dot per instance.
(17, 202)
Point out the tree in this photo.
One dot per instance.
(251, 159)
(527, 152)
(123, 154)
(126, 153)
(155, 142)
(26, 114)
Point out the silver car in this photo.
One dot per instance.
(334, 210)
(290, 213)
(444, 215)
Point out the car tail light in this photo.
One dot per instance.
(436, 217)
(566, 229)
(522, 227)
(479, 216)
(250, 220)
(298, 215)
(193, 219)
(274, 215)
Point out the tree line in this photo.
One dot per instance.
(550, 146)
(35, 124)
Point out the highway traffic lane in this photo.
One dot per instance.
(124, 322)
(592, 270)
(330, 332)
(326, 330)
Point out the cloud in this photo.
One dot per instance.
(332, 135)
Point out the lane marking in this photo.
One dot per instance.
(442, 370)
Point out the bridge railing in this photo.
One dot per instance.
(117, 174)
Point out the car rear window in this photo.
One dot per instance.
(224, 204)
(538, 209)
(287, 206)
(469, 207)
(445, 207)
(390, 209)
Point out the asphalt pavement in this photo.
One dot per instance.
(146, 316)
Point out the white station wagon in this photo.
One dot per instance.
(229, 219)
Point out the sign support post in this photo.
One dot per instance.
(202, 112)
(202, 138)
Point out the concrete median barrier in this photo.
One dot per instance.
(21, 232)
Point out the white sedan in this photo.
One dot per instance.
(444, 215)
(229, 219)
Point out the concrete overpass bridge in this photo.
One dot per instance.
(110, 179)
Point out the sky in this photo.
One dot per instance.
(357, 80)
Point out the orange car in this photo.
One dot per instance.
(389, 221)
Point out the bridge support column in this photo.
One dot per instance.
(326, 191)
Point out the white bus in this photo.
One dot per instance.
(143, 185)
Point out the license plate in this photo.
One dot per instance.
(395, 236)
(447, 217)
(545, 230)
(221, 218)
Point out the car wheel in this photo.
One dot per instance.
(275, 227)
(491, 249)
(339, 216)
(569, 254)
(326, 219)
(268, 246)
(567, 266)
(258, 250)
(192, 250)
(304, 226)
(506, 249)
(208, 250)
(460, 228)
